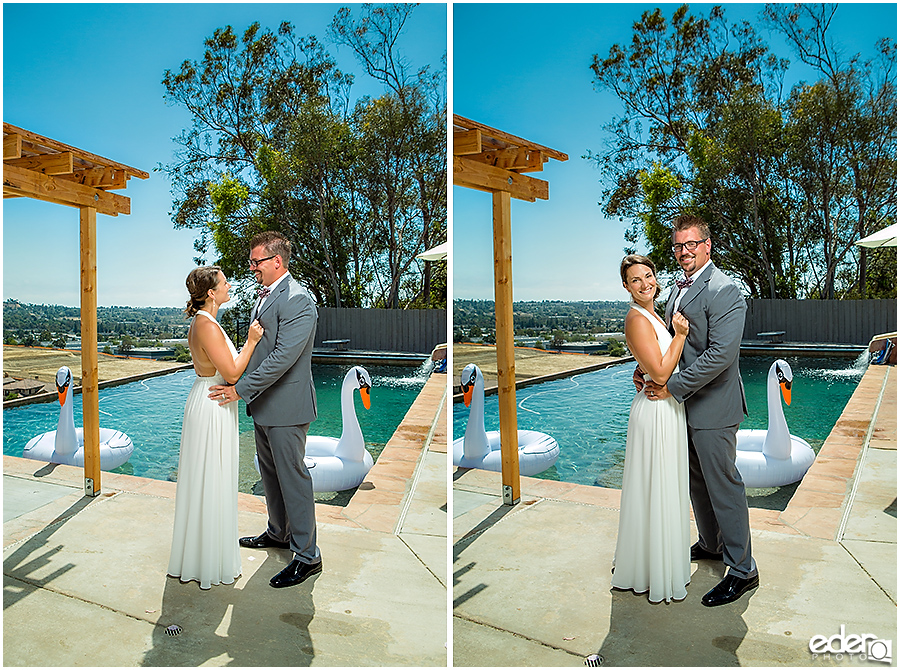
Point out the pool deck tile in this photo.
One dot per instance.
(834, 543)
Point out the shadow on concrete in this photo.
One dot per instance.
(460, 545)
(15, 569)
(680, 633)
(237, 624)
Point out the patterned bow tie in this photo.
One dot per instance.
(683, 283)
(263, 292)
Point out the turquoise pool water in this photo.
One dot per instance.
(150, 413)
(588, 413)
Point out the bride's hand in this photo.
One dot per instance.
(255, 333)
(680, 324)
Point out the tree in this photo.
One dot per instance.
(403, 150)
(787, 185)
(273, 145)
(845, 143)
(241, 167)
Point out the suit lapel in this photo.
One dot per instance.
(274, 296)
(670, 304)
(695, 288)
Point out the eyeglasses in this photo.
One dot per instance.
(255, 262)
(690, 246)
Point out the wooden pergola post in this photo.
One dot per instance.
(491, 160)
(90, 393)
(38, 167)
(506, 358)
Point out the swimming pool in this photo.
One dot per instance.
(588, 413)
(150, 413)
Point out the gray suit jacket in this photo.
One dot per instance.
(709, 381)
(278, 385)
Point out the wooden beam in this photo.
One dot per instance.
(39, 141)
(99, 177)
(55, 164)
(12, 146)
(90, 377)
(473, 174)
(19, 181)
(506, 360)
(487, 131)
(514, 159)
(466, 142)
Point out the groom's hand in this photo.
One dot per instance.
(638, 378)
(656, 392)
(223, 394)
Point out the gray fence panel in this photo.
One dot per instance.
(405, 330)
(826, 321)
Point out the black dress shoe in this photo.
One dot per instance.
(698, 553)
(261, 542)
(295, 572)
(729, 589)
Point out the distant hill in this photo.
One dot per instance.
(145, 322)
(544, 315)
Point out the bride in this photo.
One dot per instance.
(653, 544)
(205, 537)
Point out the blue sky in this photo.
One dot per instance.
(89, 75)
(524, 69)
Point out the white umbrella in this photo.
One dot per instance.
(883, 238)
(437, 253)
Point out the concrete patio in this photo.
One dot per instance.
(532, 582)
(85, 583)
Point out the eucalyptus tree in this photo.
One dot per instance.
(266, 149)
(402, 159)
(844, 144)
(786, 183)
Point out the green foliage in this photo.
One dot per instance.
(786, 184)
(615, 348)
(182, 354)
(273, 145)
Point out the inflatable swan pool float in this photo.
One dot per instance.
(481, 449)
(773, 457)
(65, 445)
(338, 464)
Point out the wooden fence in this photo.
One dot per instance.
(825, 321)
(407, 330)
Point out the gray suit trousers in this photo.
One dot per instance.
(719, 499)
(288, 487)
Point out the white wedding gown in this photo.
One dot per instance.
(205, 537)
(653, 546)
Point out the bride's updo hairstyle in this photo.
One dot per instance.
(198, 283)
(637, 259)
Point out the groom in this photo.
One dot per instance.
(278, 388)
(709, 385)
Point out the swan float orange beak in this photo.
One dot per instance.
(468, 387)
(364, 394)
(62, 387)
(784, 383)
(786, 391)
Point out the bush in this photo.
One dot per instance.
(615, 347)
